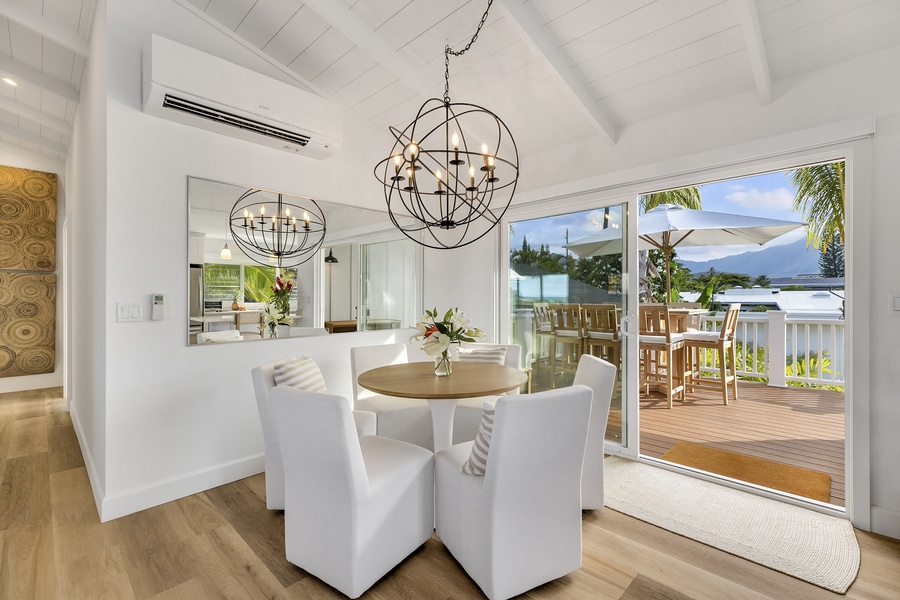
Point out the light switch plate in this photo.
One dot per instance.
(129, 312)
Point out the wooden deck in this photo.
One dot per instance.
(796, 426)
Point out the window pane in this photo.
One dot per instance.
(222, 282)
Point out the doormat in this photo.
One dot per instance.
(775, 475)
(802, 543)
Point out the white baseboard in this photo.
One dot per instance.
(93, 476)
(886, 521)
(173, 488)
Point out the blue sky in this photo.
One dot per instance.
(768, 195)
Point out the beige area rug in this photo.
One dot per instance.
(767, 473)
(804, 544)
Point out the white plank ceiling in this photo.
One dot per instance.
(554, 70)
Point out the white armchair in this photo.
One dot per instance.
(263, 383)
(468, 410)
(406, 419)
(600, 376)
(519, 525)
(355, 507)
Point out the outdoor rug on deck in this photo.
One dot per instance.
(767, 473)
(804, 544)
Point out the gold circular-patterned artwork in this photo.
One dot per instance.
(27, 220)
(27, 324)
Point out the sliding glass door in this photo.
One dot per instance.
(568, 264)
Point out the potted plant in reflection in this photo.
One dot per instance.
(278, 308)
(271, 319)
(437, 336)
(281, 295)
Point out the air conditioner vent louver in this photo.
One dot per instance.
(194, 88)
(221, 116)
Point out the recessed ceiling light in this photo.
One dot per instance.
(10, 81)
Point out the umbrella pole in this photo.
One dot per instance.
(668, 276)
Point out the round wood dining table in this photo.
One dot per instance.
(417, 380)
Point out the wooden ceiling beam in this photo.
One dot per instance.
(46, 28)
(756, 49)
(35, 115)
(20, 70)
(33, 138)
(370, 42)
(523, 18)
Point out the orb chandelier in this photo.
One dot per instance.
(452, 172)
(286, 230)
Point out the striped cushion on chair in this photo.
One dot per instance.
(477, 463)
(495, 355)
(301, 373)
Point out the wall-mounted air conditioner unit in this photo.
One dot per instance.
(185, 85)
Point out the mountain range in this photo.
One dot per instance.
(788, 260)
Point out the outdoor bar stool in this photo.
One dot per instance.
(721, 343)
(543, 336)
(662, 352)
(601, 332)
(568, 332)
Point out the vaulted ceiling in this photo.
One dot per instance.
(554, 70)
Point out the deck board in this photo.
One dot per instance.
(797, 426)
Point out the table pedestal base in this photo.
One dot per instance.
(442, 412)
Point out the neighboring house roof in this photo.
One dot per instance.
(809, 302)
(810, 281)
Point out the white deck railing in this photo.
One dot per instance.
(808, 350)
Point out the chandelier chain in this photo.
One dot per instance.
(448, 51)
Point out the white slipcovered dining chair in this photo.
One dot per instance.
(209, 337)
(600, 376)
(355, 507)
(263, 382)
(519, 525)
(467, 417)
(406, 419)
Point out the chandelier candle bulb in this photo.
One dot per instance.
(456, 160)
(437, 174)
(471, 177)
(245, 218)
(484, 154)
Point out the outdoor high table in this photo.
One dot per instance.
(417, 380)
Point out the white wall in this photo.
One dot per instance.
(86, 257)
(180, 419)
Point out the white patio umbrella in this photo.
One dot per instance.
(669, 226)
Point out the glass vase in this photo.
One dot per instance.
(442, 365)
(273, 332)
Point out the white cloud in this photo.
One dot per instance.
(773, 201)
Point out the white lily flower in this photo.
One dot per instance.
(459, 319)
(435, 344)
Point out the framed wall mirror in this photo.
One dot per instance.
(363, 277)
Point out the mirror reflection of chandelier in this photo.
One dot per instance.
(277, 228)
(452, 172)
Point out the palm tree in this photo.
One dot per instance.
(688, 197)
(820, 199)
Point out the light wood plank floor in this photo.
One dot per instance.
(223, 543)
